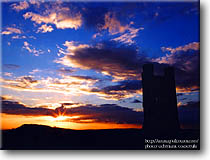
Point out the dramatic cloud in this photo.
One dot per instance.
(108, 113)
(45, 28)
(16, 108)
(61, 17)
(122, 62)
(125, 63)
(20, 6)
(105, 113)
(11, 30)
(185, 59)
(72, 46)
(101, 19)
(113, 25)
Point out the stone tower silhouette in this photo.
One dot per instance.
(159, 101)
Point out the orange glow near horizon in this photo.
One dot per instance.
(15, 121)
(186, 90)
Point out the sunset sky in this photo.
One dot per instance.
(78, 65)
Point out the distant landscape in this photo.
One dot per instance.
(44, 137)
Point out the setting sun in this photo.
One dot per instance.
(60, 118)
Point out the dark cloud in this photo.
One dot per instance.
(186, 66)
(107, 113)
(130, 85)
(3, 98)
(85, 77)
(28, 79)
(69, 104)
(119, 91)
(11, 66)
(16, 108)
(189, 114)
(117, 60)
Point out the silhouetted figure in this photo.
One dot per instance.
(159, 102)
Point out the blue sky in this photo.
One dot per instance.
(92, 53)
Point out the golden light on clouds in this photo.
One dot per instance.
(20, 6)
(61, 17)
(11, 30)
(187, 89)
(113, 25)
(14, 121)
(68, 85)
